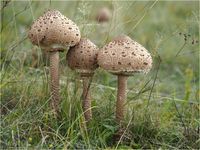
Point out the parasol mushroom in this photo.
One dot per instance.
(54, 32)
(83, 59)
(124, 57)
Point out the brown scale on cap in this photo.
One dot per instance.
(55, 30)
(83, 57)
(124, 56)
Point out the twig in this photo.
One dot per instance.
(5, 4)
(180, 116)
(145, 13)
(14, 16)
(180, 49)
(159, 62)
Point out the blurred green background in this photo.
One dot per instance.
(162, 106)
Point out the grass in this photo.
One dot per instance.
(162, 106)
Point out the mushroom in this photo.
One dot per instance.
(103, 15)
(83, 59)
(123, 57)
(54, 32)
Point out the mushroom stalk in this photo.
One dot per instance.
(121, 97)
(86, 99)
(54, 73)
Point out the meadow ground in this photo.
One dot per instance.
(162, 106)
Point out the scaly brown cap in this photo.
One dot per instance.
(123, 56)
(83, 57)
(55, 31)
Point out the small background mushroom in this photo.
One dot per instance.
(103, 15)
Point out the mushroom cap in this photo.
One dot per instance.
(103, 15)
(124, 56)
(55, 31)
(83, 57)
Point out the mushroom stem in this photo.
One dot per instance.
(121, 97)
(54, 83)
(86, 97)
